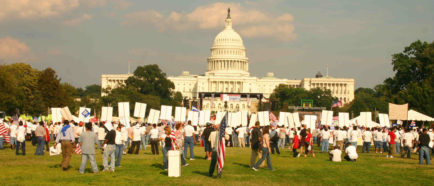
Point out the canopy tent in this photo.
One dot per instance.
(417, 116)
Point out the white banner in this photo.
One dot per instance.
(107, 114)
(244, 118)
(140, 110)
(290, 119)
(124, 113)
(84, 114)
(193, 116)
(153, 116)
(344, 119)
(253, 119)
(296, 119)
(204, 117)
(264, 118)
(56, 114)
(166, 112)
(66, 113)
(283, 118)
(219, 117)
(384, 120)
(327, 117)
(310, 121)
(180, 114)
(365, 119)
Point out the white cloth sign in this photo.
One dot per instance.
(124, 113)
(204, 117)
(66, 113)
(153, 116)
(84, 114)
(56, 115)
(310, 121)
(384, 120)
(365, 119)
(264, 118)
(253, 119)
(166, 112)
(326, 117)
(344, 119)
(283, 118)
(139, 110)
(244, 118)
(296, 118)
(107, 114)
(219, 117)
(290, 119)
(180, 114)
(193, 116)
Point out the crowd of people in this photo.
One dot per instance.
(263, 141)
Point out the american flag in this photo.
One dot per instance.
(221, 146)
(77, 149)
(273, 117)
(173, 137)
(337, 103)
(3, 130)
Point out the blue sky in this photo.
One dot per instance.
(82, 39)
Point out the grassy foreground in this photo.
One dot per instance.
(146, 169)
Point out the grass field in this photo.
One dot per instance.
(146, 169)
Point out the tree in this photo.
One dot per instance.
(284, 95)
(53, 94)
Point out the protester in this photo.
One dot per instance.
(154, 139)
(351, 153)
(21, 139)
(135, 136)
(119, 142)
(424, 141)
(213, 138)
(354, 136)
(378, 141)
(282, 137)
(385, 136)
(189, 140)
(340, 138)
(241, 131)
(367, 138)
(274, 138)
(109, 151)
(143, 137)
(325, 135)
(255, 143)
(66, 138)
(309, 141)
(398, 139)
(407, 141)
(207, 144)
(391, 140)
(88, 140)
(295, 145)
(40, 137)
(335, 154)
(47, 138)
(265, 150)
(13, 131)
(101, 135)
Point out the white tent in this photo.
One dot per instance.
(417, 116)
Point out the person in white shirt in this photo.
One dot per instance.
(335, 154)
(325, 135)
(351, 153)
(341, 134)
(354, 136)
(378, 140)
(136, 137)
(143, 137)
(189, 140)
(407, 141)
(21, 139)
(416, 139)
(385, 134)
(367, 138)
(154, 139)
(119, 144)
(241, 139)
(13, 131)
(101, 134)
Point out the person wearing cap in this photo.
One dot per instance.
(207, 142)
(66, 138)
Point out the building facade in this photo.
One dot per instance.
(228, 72)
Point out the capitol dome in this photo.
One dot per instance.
(228, 55)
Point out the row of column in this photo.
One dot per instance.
(228, 65)
(336, 88)
(226, 86)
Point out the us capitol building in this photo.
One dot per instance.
(227, 84)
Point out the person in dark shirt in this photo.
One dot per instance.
(303, 135)
(424, 149)
(109, 150)
(255, 143)
(207, 143)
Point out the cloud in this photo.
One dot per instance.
(33, 9)
(248, 21)
(117, 4)
(12, 49)
(78, 20)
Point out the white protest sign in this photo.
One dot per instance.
(253, 119)
(290, 120)
(283, 119)
(296, 118)
(344, 119)
(236, 119)
(180, 114)
(310, 121)
(193, 116)
(204, 117)
(124, 113)
(219, 117)
(66, 113)
(166, 112)
(326, 117)
(384, 120)
(244, 120)
(139, 110)
(153, 116)
(365, 119)
(56, 115)
(107, 114)
(264, 118)
(84, 114)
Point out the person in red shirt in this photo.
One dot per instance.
(392, 146)
(309, 141)
(295, 145)
(47, 137)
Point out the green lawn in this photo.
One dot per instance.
(146, 169)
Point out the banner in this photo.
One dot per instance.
(296, 118)
(166, 112)
(384, 120)
(283, 118)
(66, 113)
(310, 121)
(56, 115)
(398, 112)
(140, 110)
(180, 114)
(219, 117)
(153, 116)
(84, 114)
(193, 117)
(290, 119)
(327, 117)
(107, 114)
(263, 117)
(253, 119)
(204, 117)
(344, 119)
(230, 97)
(365, 119)
(244, 118)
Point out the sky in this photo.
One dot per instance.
(82, 39)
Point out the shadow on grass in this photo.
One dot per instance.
(201, 173)
(56, 166)
(242, 165)
(157, 165)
